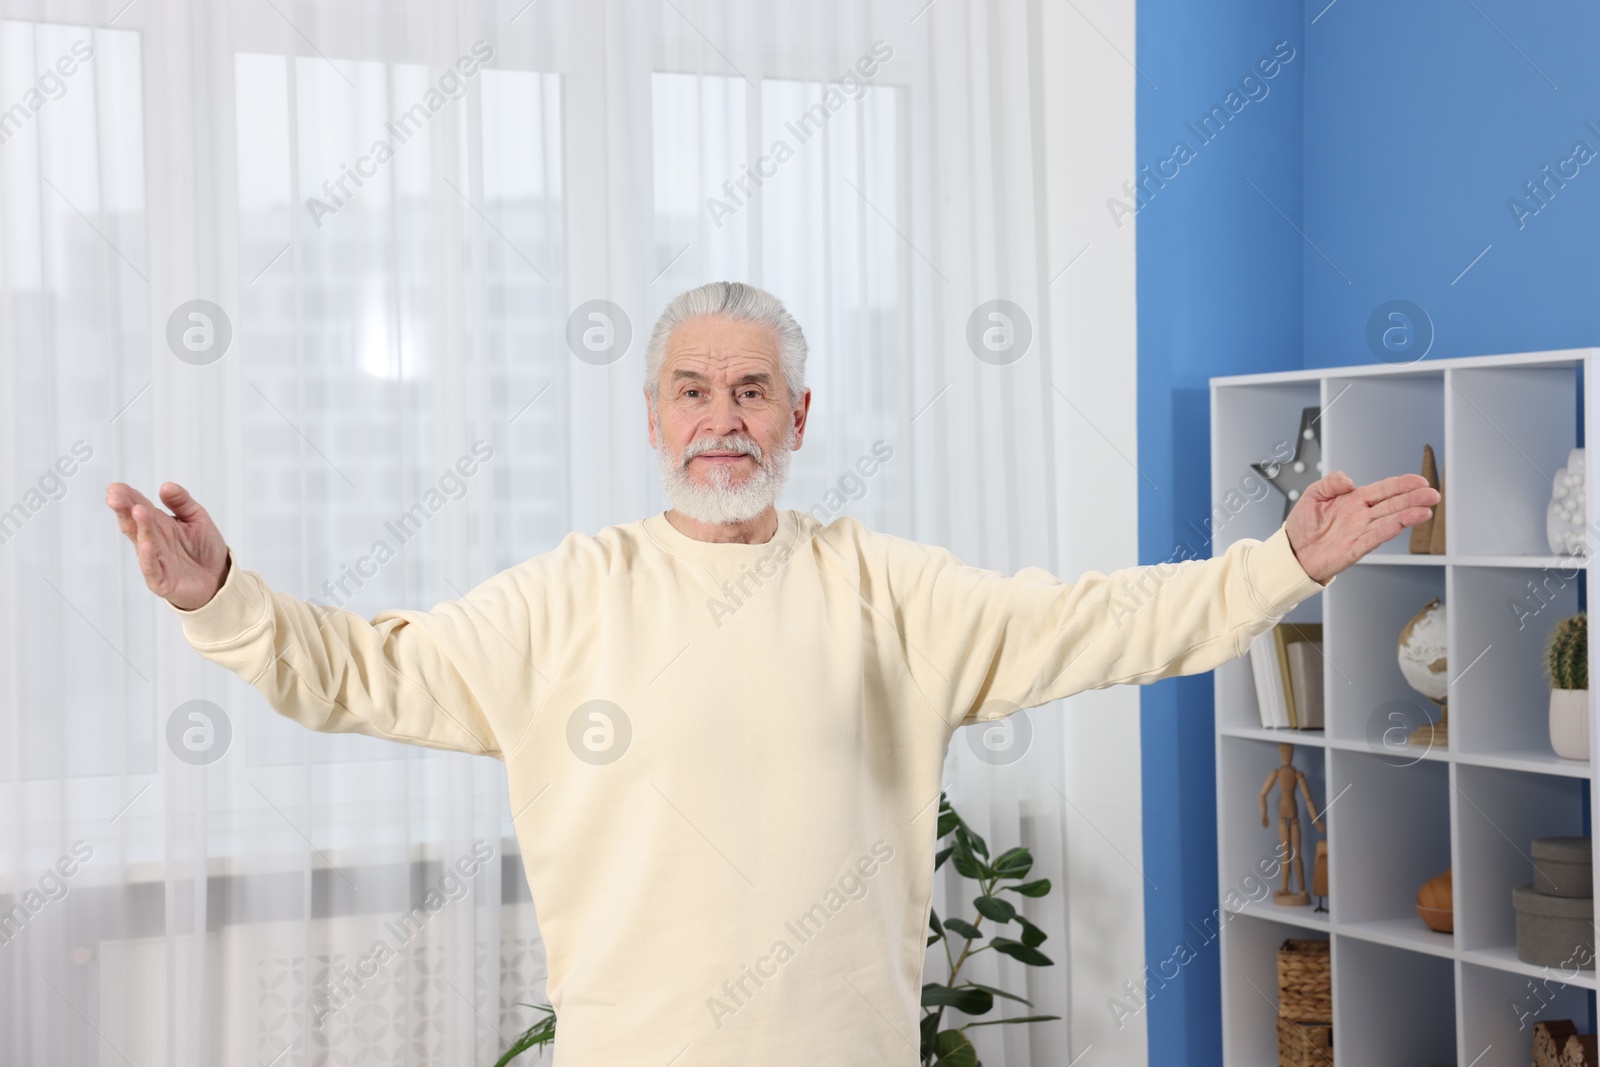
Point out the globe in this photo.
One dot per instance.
(1423, 650)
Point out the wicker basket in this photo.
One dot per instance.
(1305, 981)
(1304, 1044)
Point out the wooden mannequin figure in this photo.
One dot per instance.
(1287, 779)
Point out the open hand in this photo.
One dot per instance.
(1336, 522)
(182, 556)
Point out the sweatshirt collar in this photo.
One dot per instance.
(675, 542)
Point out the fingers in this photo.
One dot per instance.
(1412, 516)
(184, 507)
(1383, 489)
(118, 500)
(123, 498)
(1331, 486)
(154, 533)
(121, 494)
(148, 556)
(145, 519)
(146, 551)
(1383, 528)
(1418, 501)
(155, 547)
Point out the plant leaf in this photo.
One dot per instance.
(1000, 993)
(966, 860)
(1013, 863)
(942, 855)
(964, 928)
(954, 1050)
(930, 1029)
(1031, 889)
(1019, 951)
(540, 1033)
(933, 922)
(948, 820)
(1032, 936)
(969, 999)
(1018, 1019)
(994, 908)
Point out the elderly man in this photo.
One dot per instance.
(727, 819)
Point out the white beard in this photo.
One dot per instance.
(722, 502)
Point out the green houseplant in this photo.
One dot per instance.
(943, 1044)
(540, 1034)
(1566, 666)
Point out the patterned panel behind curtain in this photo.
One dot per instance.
(390, 315)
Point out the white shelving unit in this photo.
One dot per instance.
(1404, 996)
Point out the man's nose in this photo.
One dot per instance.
(724, 416)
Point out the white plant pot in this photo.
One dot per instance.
(1569, 723)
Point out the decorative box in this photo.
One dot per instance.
(1554, 931)
(1305, 981)
(1304, 1044)
(1562, 867)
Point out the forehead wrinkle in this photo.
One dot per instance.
(719, 355)
(759, 376)
(708, 364)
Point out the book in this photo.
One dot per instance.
(1305, 684)
(1270, 665)
(1271, 700)
(1285, 636)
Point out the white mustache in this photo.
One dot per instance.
(745, 445)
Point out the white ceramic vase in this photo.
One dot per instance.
(1565, 518)
(1569, 723)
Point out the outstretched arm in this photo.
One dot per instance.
(420, 677)
(980, 644)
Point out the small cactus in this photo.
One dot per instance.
(1566, 655)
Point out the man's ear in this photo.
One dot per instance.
(800, 417)
(650, 418)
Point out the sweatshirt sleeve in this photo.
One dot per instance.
(992, 644)
(434, 678)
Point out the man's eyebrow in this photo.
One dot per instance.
(754, 377)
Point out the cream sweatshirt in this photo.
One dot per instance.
(724, 760)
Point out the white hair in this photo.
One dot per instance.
(733, 300)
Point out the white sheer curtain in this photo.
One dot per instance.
(376, 398)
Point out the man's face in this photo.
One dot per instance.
(724, 422)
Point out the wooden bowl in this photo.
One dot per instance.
(1436, 904)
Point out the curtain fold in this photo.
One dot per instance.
(315, 260)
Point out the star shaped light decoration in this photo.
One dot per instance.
(1292, 478)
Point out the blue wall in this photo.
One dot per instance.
(1422, 122)
(1393, 140)
(1219, 289)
